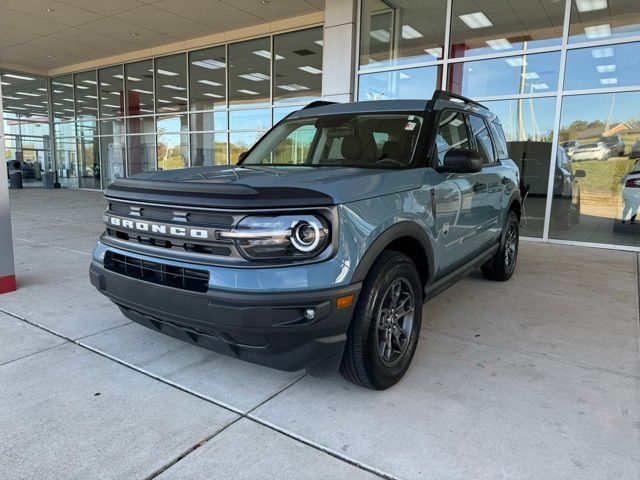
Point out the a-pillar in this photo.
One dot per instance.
(339, 55)
(7, 266)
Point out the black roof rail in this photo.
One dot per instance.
(318, 103)
(448, 96)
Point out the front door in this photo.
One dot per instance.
(460, 199)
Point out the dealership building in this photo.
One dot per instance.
(94, 90)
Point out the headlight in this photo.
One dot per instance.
(280, 237)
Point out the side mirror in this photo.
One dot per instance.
(241, 156)
(579, 174)
(461, 161)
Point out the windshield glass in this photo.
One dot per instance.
(357, 140)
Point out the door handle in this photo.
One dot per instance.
(505, 180)
(478, 187)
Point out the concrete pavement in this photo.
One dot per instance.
(535, 378)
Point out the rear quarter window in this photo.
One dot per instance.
(499, 139)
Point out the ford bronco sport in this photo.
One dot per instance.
(323, 241)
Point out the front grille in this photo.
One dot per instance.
(159, 273)
(168, 214)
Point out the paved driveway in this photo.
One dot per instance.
(537, 378)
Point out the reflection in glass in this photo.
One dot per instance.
(603, 67)
(280, 113)
(173, 151)
(139, 82)
(249, 72)
(171, 84)
(207, 78)
(89, 162)
(111, 91)
(141, 125)
(600, 132)
(241, 142)
(525, 74)
(67, 167)
(401, 32)
(112, 153)
(24, 96)
(528, 128)
(62, 97)
(597, 20)
(250, 119)
(112, 127)
(172, 123)
(207, 121)
(208, 149)
(410, 83)
(141, 153)
(481, 28)
(86, 90)
(298, 56)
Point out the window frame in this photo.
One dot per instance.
(433, 158)
(491, 139)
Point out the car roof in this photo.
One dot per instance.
(321, 108)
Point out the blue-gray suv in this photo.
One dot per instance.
(323, 241)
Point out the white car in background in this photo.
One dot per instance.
(591, 151)
(631, 194)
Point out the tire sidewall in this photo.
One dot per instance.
(512, 218)
(384, 376)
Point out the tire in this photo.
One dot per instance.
(375, 355)
(503, 264)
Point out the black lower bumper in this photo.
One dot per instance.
(269, 329)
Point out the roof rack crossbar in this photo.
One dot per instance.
(448, 96)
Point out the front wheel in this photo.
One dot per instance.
(384, 330)
(503, 263)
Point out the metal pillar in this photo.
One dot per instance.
(7, 267)
(339, 52)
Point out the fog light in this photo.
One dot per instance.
(309, 314)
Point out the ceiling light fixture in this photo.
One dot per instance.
(214, 95)
(404, 76)
(606, 68)
(166, 72)
(139, 90)
(254, 77)
(434, 52)
(293, 87)
(181, 99)
(531, 75)
(210, 64)
(590, 5)
(310, 69)
(19, 77)
(49, 10)
(609, 81)
(267, 54)
(380, 35)
(540, 86)
(174, 87)
(499, 44)
(209, 82)
(475, 20)
(409, 33)
(598, 31)
(248, 92)
(319, 42)
(602, 52)
(28, 94)
(516, 62)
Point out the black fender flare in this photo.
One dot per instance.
(399, 230)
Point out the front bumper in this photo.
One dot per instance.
(264, 328)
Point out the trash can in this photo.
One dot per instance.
(15, 180)
(48, 179)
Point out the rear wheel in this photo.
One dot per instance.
(383, 334)
(503, 263)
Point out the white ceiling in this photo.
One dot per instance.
(76, 31)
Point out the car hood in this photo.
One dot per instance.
(266, 186)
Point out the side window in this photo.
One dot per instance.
(484, 144)
(501, 141)
(452, 133)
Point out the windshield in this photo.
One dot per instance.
(355, 140)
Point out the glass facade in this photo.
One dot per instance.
(564, 78)
(197, 108)
(26, 124)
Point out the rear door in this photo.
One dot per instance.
(460, 203)
(489, 181)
